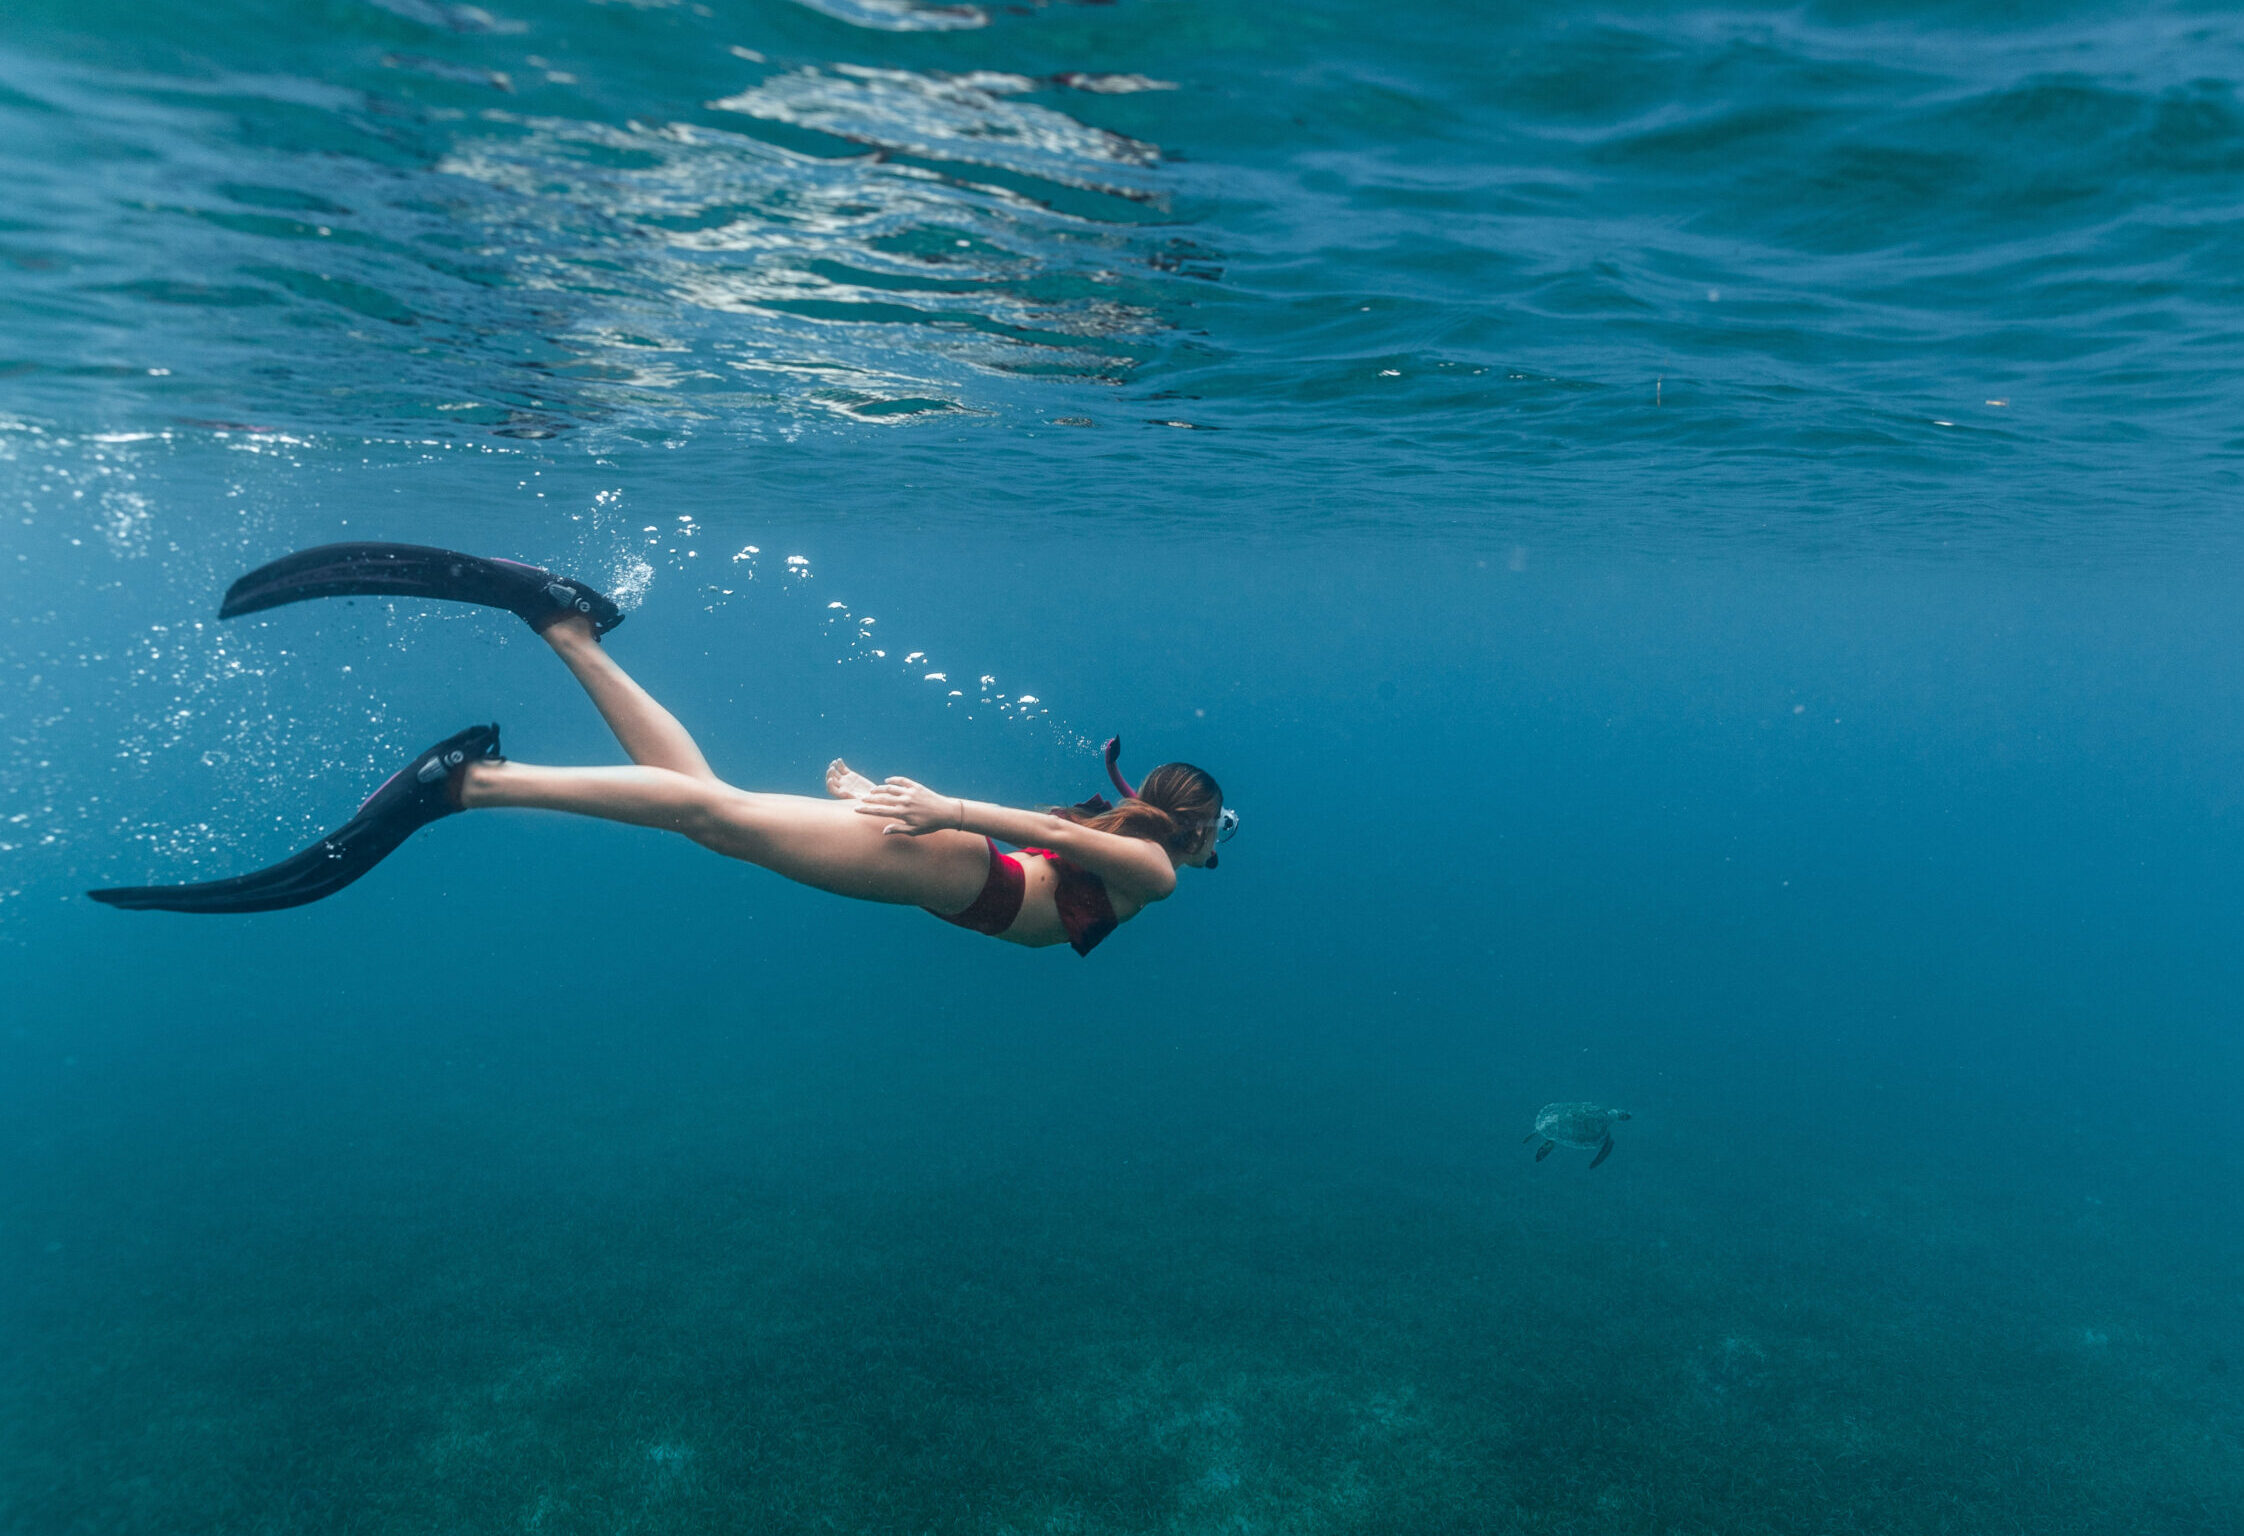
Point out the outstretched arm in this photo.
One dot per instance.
(1132, 864)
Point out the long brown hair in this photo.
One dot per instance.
(1176, 806)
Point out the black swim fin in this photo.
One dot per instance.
(411, 798)
(416, 570)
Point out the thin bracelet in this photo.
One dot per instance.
(962, 813)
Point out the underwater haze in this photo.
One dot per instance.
(1703, 542)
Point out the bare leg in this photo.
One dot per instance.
(651, 735)
(822, 843)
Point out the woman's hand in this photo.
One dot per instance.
(912, 809)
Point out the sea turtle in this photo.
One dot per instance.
(1576, 1125)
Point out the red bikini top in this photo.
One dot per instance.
(1086, 911)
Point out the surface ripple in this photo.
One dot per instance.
(1907, 269)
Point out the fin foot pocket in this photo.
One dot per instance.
(424, 790)
(535, 595)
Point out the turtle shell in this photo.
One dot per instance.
(1576, 1124)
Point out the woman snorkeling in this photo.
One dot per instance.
(1080, 872)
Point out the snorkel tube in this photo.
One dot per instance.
(1113, 754)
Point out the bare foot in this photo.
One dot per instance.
(844, 782)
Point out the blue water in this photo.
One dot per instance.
(1702, 542)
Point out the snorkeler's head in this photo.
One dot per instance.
(1178, 806)
(1193, 801)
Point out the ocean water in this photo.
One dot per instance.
(1702, 541)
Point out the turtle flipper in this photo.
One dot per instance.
(1604, 1151)
(1544, 1150)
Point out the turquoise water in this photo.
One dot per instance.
(1703, 544)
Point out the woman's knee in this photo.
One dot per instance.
(721, 818)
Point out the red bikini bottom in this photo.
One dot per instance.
(1000, 902)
